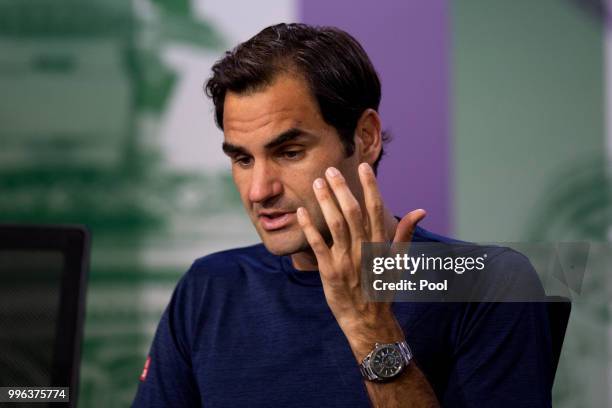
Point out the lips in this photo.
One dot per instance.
(271, 221)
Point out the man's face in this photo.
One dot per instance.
(279, 144)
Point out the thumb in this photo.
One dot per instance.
(407, 225)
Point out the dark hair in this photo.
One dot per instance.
(337, 69)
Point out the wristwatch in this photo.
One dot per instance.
(386, 361)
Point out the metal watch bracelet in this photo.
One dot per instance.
(404, 352)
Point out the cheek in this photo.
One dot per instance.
(349, 169)
(300, 184)
(306, 194)
(241, 182)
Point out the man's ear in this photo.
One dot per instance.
(368, 136)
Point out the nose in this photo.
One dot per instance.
(265, 183)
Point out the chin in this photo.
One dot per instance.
(282, 244)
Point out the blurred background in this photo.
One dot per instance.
(498, 110)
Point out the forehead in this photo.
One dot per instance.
(284, 104)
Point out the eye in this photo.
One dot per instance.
(243, 161)
(292, 154)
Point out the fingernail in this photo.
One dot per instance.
(300, 212)
(332, 172)
(319, 183)
(365, 167)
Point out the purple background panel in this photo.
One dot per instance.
(408, 42)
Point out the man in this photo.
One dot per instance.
(285, 323)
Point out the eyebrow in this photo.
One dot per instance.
(284, 137)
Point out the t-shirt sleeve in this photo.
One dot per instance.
(167, 379)
(503, 353)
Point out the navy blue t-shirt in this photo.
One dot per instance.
(246, 329)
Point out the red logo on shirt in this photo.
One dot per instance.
(145, 370)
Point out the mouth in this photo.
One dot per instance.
(275, 220)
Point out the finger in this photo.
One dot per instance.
(407, 225)
(374, 204)
(348, 204)
(403, 237)
(314, 238)
(333, 217)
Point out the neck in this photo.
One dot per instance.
(307, 261)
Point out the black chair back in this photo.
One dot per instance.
(559, 309)
(43, 273)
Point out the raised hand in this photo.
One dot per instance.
(339, 264)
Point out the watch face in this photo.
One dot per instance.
(386, 362)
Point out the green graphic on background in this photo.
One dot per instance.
(529, 153)
(84, 88)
